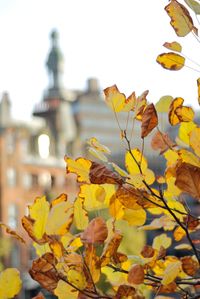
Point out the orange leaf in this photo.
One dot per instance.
(110, 248)
(189, 265)
(39, 296)
(147, 251)
(162, 142)
(181, 20)
(125, 291)
(171, 61)
(136, 274)
(179, 233)
(188, 178)
(43, 271)
(96, 232)
(173, 118)
(149, 120)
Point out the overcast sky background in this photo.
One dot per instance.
(116, 41)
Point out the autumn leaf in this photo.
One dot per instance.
(161, 240)
(174, 46)
(149, 120)
(171, 272)
(77, 278)
(96, 231)
(114, 99)
(163, 104)
(93, 142)
(173, 118)
(189, 265)
(194, 5)
(188, 178)
(10, 283)
(179, 233)
(60, 216)
(134, 160)
(110, 248)
(185, 130)
(43, 271)
(80, 167)
(64, 290)
(194, 140)
(125, 291)
(130, 103)
(100, 174)
(147, 251)
(181, 20)
(80, 214)
(136, 274)
(162, 142)
(12, 232)
(135, 217)
(171, 61)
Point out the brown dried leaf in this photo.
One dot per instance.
(136, 275)
(189, 265)
(43, 271)
(100, 174)
(162, 142)
(92, 260)
(167, 289)
(110, 248)
(96, 232)
(128, 197)
(188, 178)
(12, 232)
(149, 120)
(147, 251)
(124, 291)
(181, 20)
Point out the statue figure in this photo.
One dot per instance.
(55, 62)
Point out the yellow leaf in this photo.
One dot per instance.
(171, 157)
(116, 209)
(189, 157)
(135, 217)
(60, 216)
(41, 249)
(184, 131)
(130, 103)
(161, 240)
(64, 290)
(96, 196)
(194, 140)
(181, 20)
(114, 99)
(94, 143)
(173, 118)
(133, 159)
(179, 233)
(185, 113)
(183, 246)
(171, 272)
(171, 61)
(163, 104)
(173, 46)
(39, 213)
(97, 154)
(10, 283)
(80, 214)
(119, 170)
(77, 278)
(70, 242)
(80, 167)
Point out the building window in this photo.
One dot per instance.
(11, 177)
(12, 215)
(43, 146)
(10, 143)
(45, 180)
(27, 181)
(34, 180)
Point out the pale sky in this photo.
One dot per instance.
(116, 41)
